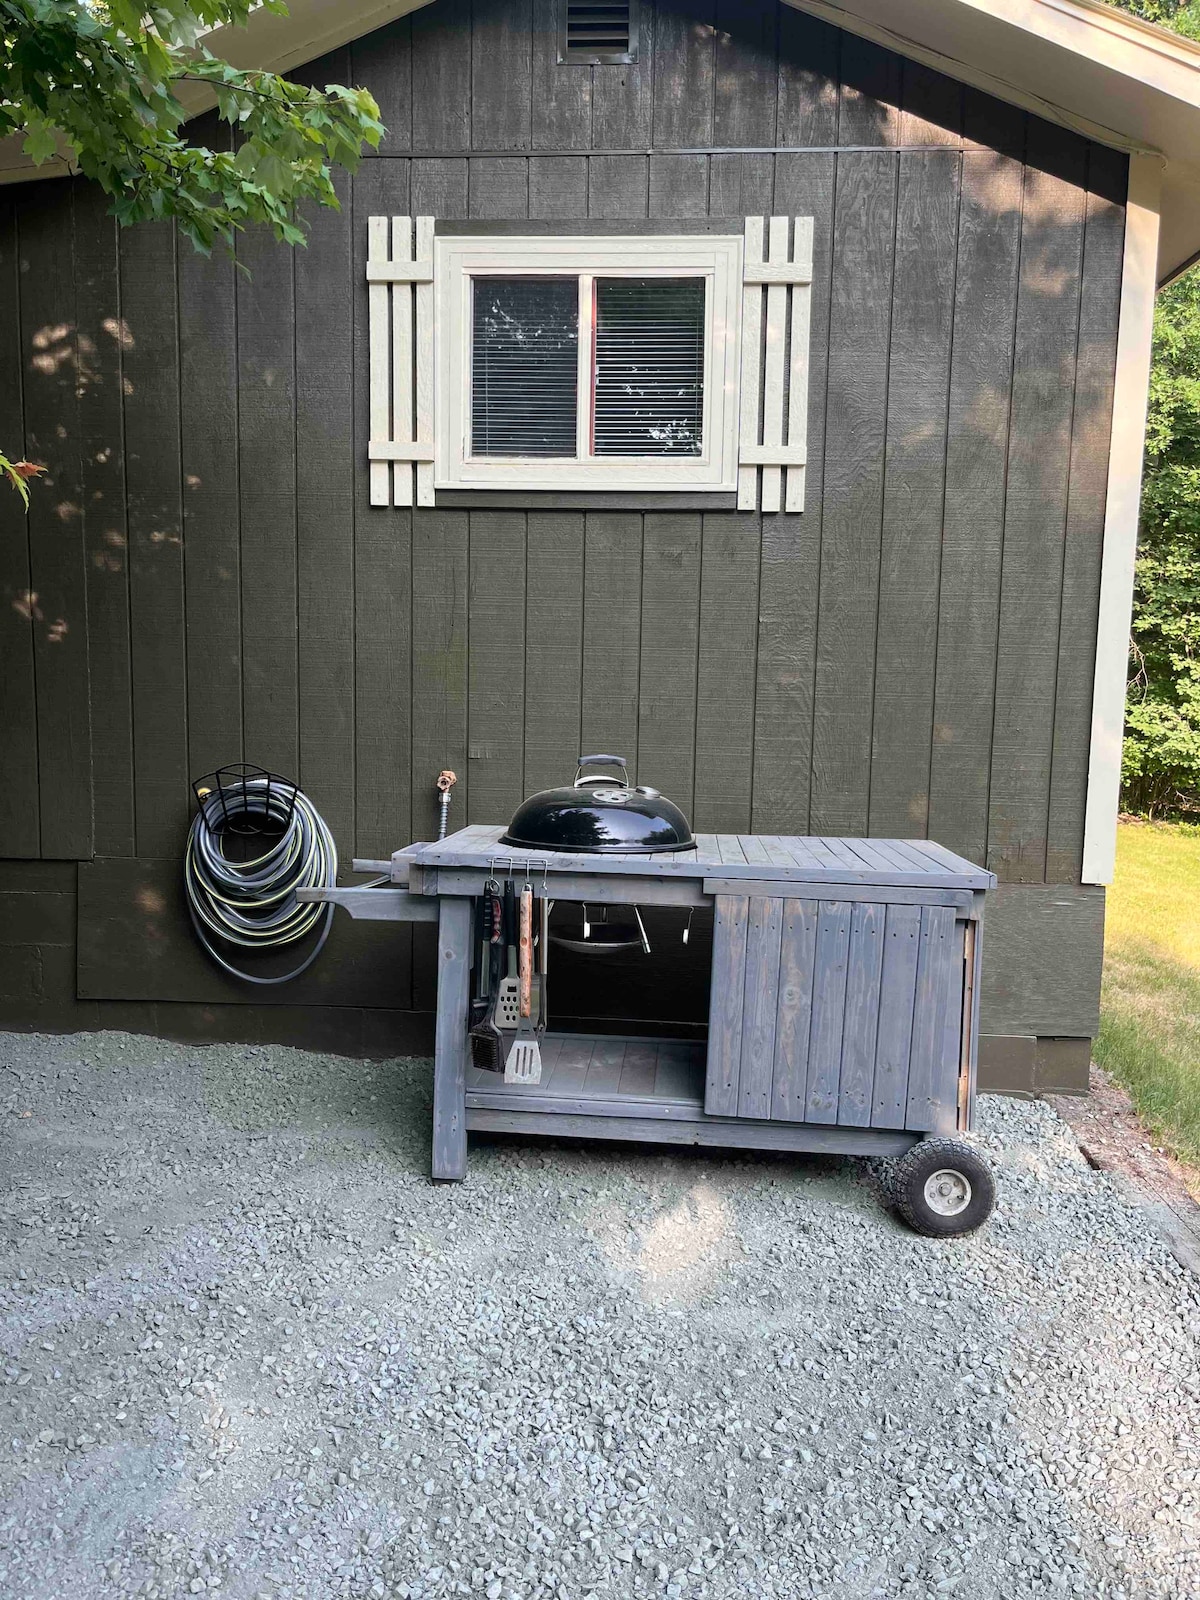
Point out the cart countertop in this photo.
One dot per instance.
(913, 863)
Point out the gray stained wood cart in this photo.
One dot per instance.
(844, 995)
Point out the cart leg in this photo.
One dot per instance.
(450, 1049)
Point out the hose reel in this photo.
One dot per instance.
(251, 904)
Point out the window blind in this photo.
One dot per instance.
(649, 366)
(524, 366)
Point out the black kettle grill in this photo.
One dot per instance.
(600, 816)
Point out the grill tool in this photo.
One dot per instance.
(508, 998)
(545, 962)
(524, 1064)
(487, 1042)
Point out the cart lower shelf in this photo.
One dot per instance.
(647, 1090)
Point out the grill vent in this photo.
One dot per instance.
(596, 31)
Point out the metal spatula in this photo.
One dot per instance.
(508, 996)
(524, 1064)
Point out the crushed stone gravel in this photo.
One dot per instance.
(250, 1350)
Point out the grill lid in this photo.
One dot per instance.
(600, 816)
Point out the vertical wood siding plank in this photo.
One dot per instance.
(562, 92)
(326, 467)
(558, 186)
(797, 966)
(910, 561)
(1090, 433)
(441, 79)
(496, 700)
(935, 967)
(152, 475)
(622, 95)
(439, 695)
(20, 823)
(773, 366)
(748, 427)
(501, 75)
(57, 567)
(851, 521)
(807, 94)
(102, 453)
(684, 63)
(424, 362)
(799, 359)
(1036, 504)
(439, 189)
(973, 518)
(993, 125)
(860, 1038)
(612, 630)
(741, 185)
(381, 62)
(869, 102)
(829, 1010)
(729, 577)
(791, 546)
(379, 311)
(764, 932)
(666, 748)
(382, 597)
(618, 186)
(403, 418)
(498, 186)
(745, 72)
(897, 993)
(678, 186)
(439, 691)
(212, 552)
(554, 647)
(727, 991)
(931, 106)
(267, 492)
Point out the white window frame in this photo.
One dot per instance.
(460, 258)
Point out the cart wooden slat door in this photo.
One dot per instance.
(845, 1012)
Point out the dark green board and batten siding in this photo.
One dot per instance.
(203, 577)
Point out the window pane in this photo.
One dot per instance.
(649, 366)
(524, 366)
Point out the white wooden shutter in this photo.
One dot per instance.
(774, 412)
(400, 332)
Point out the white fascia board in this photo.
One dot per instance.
(1130, 398)
(267, 42)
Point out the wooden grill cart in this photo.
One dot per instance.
(843, 1015)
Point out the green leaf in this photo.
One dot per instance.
(40, 142)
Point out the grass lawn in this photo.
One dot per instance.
(1150, 1005)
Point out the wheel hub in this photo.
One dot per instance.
(947, 1192)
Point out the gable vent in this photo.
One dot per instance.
(595, 31)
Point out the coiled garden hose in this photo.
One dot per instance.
(252, 905)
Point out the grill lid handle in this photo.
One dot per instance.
(600, 761)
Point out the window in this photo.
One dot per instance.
(577, 363)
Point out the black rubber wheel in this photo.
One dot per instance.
(942, 1188)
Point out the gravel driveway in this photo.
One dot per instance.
(249, 1348)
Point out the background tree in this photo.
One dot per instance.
(1161, 769)
(97, 81)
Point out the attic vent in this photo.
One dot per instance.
(596, 31)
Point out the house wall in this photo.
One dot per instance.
(202, 578)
